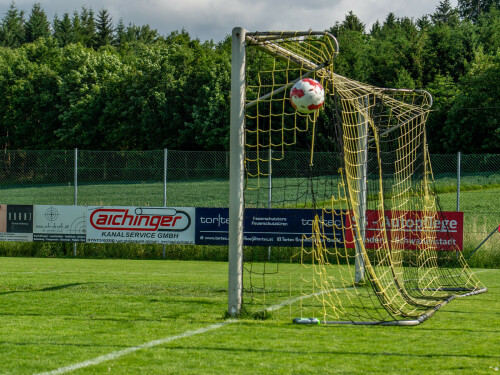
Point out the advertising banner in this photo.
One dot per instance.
(210, 226)
(162, 225)
(16, 222)
(406, 229)
(267, 227)
(53, 223)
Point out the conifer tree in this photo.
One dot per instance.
(13, 27)
(472, 9)
(445, 14)
(104, 28)
(63, 30)
(37, 26)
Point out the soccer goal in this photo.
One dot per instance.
(355, 174)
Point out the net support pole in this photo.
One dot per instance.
(270, 188)
(459, 160)
(236, 171)
(362, 167)
(75, 201)
(165, 155)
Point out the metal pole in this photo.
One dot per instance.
(459, 167)
(165, 151)
(75, 200)
(269, 201)
(362, 171)
(459, 160)
(236, 171)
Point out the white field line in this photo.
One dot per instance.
(120, 353)
(114, 355)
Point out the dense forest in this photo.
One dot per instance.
(82, 80)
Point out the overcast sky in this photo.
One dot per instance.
(214, 19)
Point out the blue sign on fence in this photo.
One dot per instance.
(267, 226)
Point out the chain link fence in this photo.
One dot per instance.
(468, 183)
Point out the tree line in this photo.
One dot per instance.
(83, 81)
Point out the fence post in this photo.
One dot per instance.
(459, 157)
(165, 152)
(75, 191)
(270, 186)
(459, 167)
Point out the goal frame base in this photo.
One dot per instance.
(410, 322)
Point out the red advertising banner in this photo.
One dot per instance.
(412, 230)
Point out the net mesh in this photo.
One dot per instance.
(379, 248)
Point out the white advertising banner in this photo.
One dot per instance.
(161, 225)
(53, 223)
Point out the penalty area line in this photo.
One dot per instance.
(120, 353)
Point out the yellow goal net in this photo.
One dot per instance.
(357, 172)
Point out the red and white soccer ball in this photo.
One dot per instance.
(307, 95)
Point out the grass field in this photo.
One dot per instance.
(85, 316)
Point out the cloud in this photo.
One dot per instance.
(214, 19)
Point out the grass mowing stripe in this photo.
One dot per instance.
(120, 353)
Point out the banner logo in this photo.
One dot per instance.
(145, 219)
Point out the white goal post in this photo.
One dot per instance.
(237, 145)
(236, 171)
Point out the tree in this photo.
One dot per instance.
(13, 28)
(351, 36)
(76, 28)
(86, 77)
(445, 14)
(375, 29)
(209, 127)
(403, 80)
(390, 21)
(488, 30)
(63, 30)
(353, 23)
(86, 28)
(448, 50)
(29, 101)
(424, 23)
(146, 91)
(473, 123)
(37, 26)
(395, 54)
(472, 9)
(120, 34)
(142, 34)
(104, 27)
(444, 91)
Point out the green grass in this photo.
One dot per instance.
(60, 312)
(206, 193)
(481, 216)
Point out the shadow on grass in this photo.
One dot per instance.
(332, 352)
(64, 344)
(47, 289)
